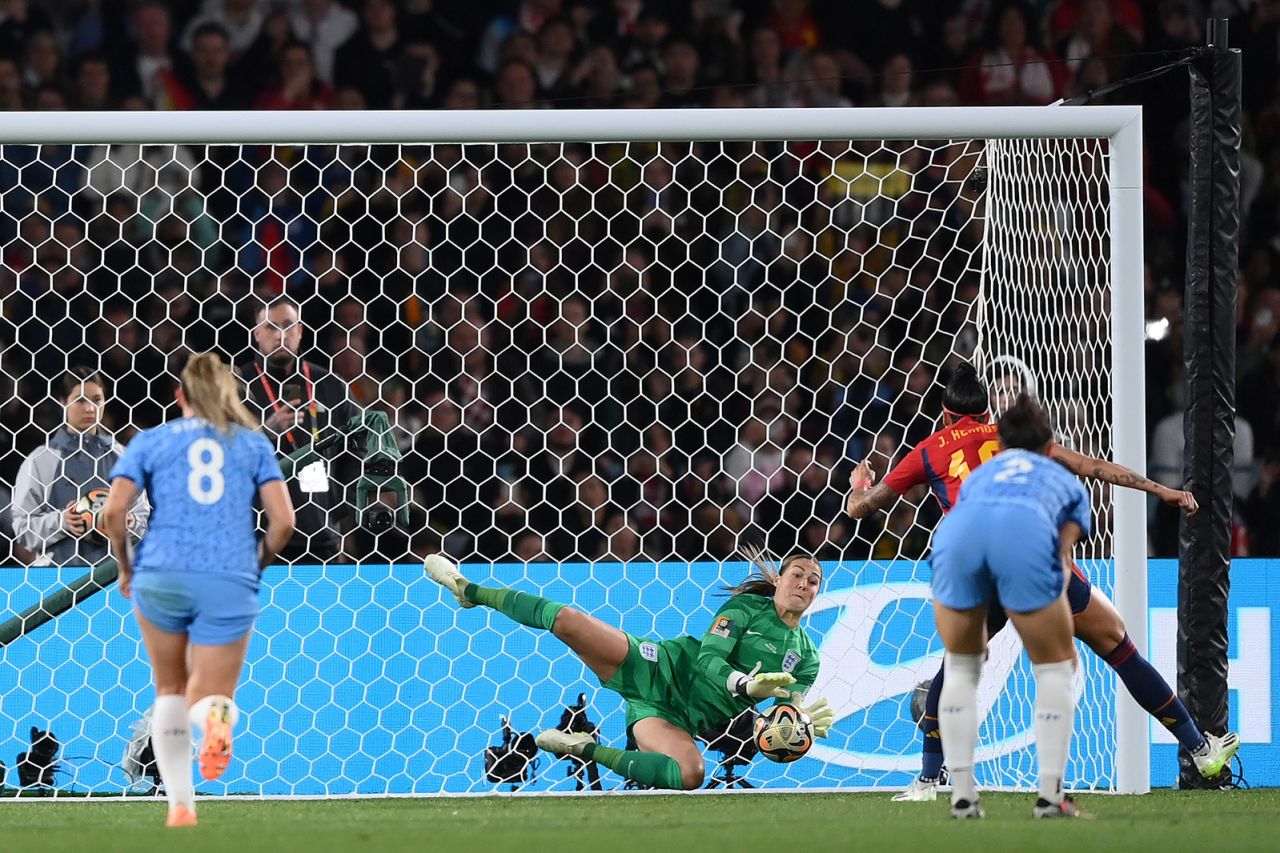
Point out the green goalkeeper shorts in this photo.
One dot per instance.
(646, 680)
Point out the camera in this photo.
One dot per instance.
(378, 517)
(574, 719)
(512, 762)
(37, 766)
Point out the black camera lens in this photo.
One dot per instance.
(378, 519)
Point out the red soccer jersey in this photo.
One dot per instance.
(944, 460)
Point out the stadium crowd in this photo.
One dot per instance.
(607, 382)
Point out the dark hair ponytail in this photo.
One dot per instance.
(965, 394)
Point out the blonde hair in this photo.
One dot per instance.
(214, 393)
(764, 580)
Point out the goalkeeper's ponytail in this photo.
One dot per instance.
(764, 580)
(214, 393)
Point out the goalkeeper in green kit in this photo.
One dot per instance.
(675, 689)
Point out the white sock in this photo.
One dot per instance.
(1055, 711)
(171, 742)
(958, 722)
(200, 710)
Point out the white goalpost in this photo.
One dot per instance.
(613, 346)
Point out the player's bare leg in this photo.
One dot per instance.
(170, 728)
(215, 671)
(1102, 629)
(963, 632)
(1047, 633)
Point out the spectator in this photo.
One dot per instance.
(1262, 508)
(298, 87)
(1011, 71)
(370, 61)
(596, 79)
(20, 21)
(325, 25)
(11, 94)
(74, 463)
(680, 82)
(463, 94)
(896, 83)
(1168, 444)
(208, 84)
(517, 86)
(824, 83)
(241, 20)
(1098, 34)
(297, 399)
(148, 65)
(43, 65)
(93, 83)
(555, 51)
(770, 89)
(529, 16)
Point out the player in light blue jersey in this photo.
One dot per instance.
(194, 577)
(1010, 536)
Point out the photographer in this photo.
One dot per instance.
(296, 400)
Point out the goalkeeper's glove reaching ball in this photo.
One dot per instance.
(766, 685)
(822, 716)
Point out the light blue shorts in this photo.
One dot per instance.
(984, 550)
(212, 610)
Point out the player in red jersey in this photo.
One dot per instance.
(942, 462)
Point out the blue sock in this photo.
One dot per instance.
(932, 740)
(1153, 693)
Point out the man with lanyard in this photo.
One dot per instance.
(296, 399)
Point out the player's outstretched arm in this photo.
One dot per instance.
(864, 497)
(279, 509)
(1119, 475)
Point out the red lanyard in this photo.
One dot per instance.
(311, 400)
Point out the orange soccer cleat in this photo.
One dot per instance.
(215, 749)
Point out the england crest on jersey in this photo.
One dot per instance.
(790, 661)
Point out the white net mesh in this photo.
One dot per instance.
(607, 366)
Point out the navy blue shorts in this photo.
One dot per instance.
(212, 610)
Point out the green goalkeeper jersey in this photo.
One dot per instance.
(745, 632)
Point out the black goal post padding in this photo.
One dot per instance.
(1212, 258)
(56, 603)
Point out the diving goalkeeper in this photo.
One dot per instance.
(675, 689)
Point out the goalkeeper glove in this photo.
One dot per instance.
(766, 685)
(822, 716)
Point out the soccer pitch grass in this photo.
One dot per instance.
(1166, 821)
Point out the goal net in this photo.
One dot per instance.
(608, 365)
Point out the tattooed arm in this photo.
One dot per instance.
(864, 498)
(1119, 475)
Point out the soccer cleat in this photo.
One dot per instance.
(1215, 753)
(215, 748)
(181, 815)
(443, 571)
(563, 743)
(919, 791)
(1066, 808)
(964, 810)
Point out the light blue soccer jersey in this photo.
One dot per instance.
(202, 484)
(1032, 480)
(1002, 540)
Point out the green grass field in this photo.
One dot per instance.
(804, 823)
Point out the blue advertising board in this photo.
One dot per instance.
(365, 680)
